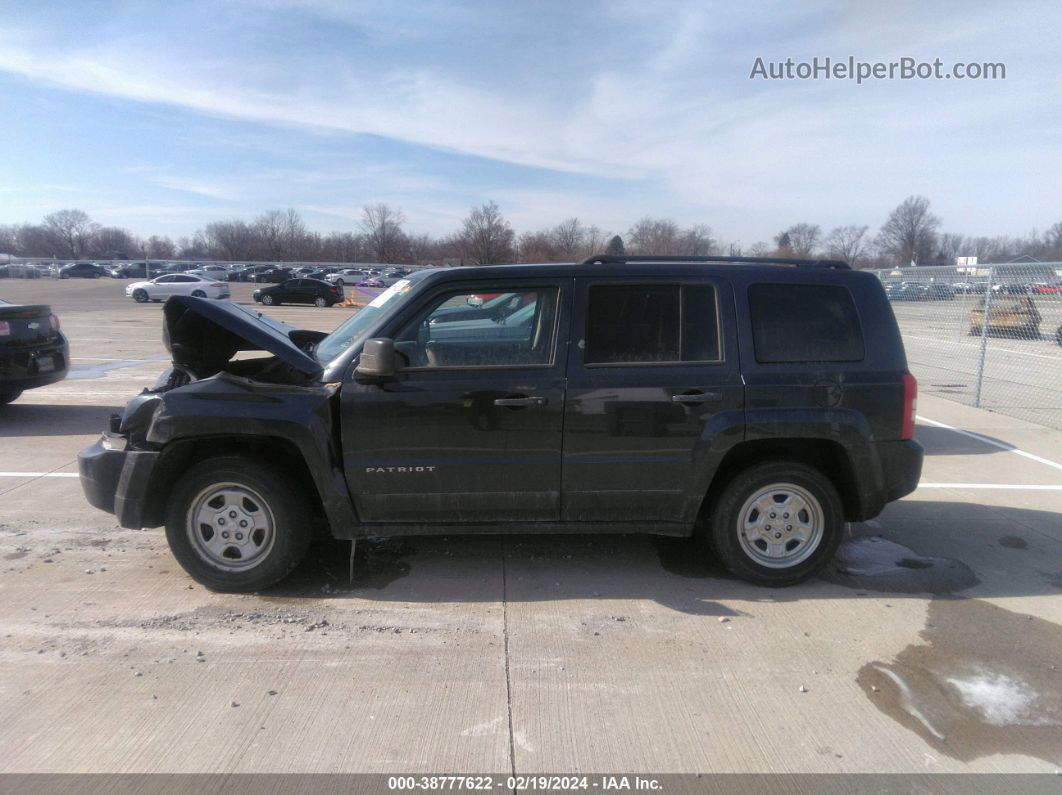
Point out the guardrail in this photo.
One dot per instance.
(986, 336)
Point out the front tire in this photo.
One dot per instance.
(237, 526)
(776, 523)
(140, 296)
(267, 300)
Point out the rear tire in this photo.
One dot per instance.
(140, 296)
(1058, 336)
(198, 294)
(8, 397)
(271, 514)
(320, 302)
(775, 523)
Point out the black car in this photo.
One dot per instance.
(272, 275)
(300, 291)
(759, 403)
(83, 270)
(33, 351)
(141, 270)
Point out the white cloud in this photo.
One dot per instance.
(682, 118)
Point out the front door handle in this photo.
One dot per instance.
(515, 402)
(698, 397)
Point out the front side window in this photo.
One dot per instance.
(484, 328)
(652, 323)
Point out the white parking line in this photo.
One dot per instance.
(995, 443)
(1018, 486)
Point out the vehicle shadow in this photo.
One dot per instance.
(941, 441)
(36, 419)
(905, 556)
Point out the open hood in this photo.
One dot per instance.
(203, 335)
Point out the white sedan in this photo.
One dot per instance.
(177, 284)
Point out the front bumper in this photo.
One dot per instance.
(115, 478)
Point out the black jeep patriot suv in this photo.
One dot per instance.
(763, 403)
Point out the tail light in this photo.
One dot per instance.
(54, 320)
(910, 406)
(216, 284)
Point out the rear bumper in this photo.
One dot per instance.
(22, 368)
(115, 479)
(901, 467)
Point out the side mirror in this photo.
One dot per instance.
(377, 358)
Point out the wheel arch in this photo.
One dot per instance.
(826, 455)
(177, 457)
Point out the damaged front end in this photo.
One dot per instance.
(214, 401)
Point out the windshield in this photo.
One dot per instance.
(361, 321)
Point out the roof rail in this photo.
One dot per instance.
(612, 259)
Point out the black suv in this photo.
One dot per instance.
(763, 403)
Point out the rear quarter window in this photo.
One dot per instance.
(804, 323)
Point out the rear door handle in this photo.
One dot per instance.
(699, 397)
(532, 400)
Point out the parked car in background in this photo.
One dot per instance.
(969, 287)
(272, 275)
(346, 276)
(906, 291)
(217, 272)
(247, 273)
(179, 267)
(371, 281)
(1007, 315)
(33, 350)
(300, 291)
(83, 270)
(163, 287)
(1046, 288)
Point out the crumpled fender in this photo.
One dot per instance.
(229, 406)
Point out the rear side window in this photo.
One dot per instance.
(646, 324)
(804, 323)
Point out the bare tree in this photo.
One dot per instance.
(486, 236)
(538, 247)
(802, 240)
(156, 247)
(382, 226)
(110, 242)
(759, 249)
(8, 239)
(910, 232)
(697, 241)
(653, 236)
(71, 230)
(847, 243)
(227, 240)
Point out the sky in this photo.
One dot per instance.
(161, 117)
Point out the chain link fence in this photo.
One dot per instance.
(986, 336)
